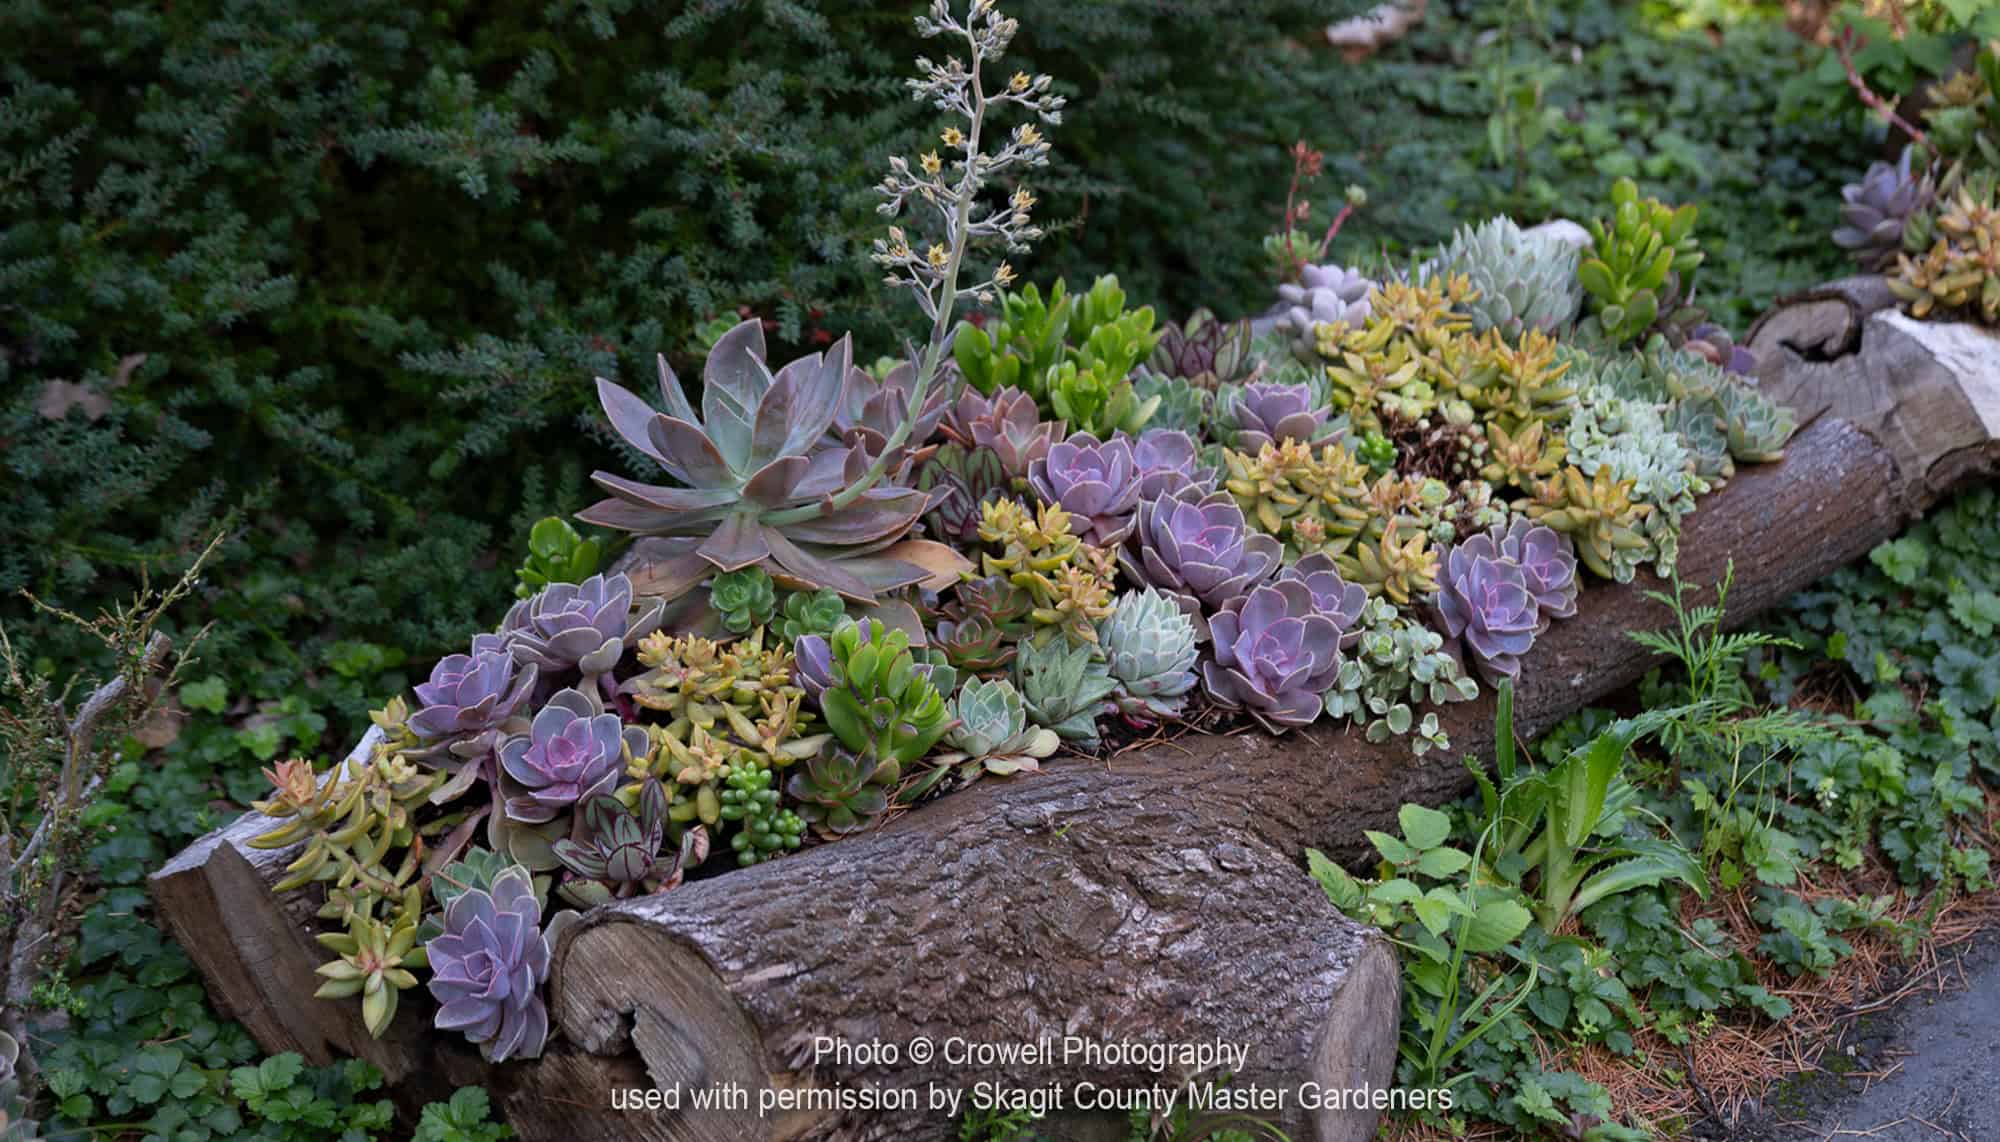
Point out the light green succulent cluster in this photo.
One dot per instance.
(1397, 665)
(1636, 259)
(1074, 353)
(1524, 282)
(727, 705)
(362, 843)
(1149, 648)
(1064, 686)
(1612, 531)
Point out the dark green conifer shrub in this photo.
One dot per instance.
(340, 275)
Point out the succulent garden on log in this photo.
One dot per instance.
(1052, 526)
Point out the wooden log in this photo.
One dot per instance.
(1154, 897)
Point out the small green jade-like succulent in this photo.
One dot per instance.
(1396, 665)
(1633, 259)
(764, 828)
(816, 612)
(992, 734)
(1017, 347)
(556, 554)
(1149, 648)
(839, 791)
(1524, 282)
(879, 704)
(1064, 686)
(744, 598)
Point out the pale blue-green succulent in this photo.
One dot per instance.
(1149, 648)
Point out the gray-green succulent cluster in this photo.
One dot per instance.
(1630, 437)
(1064, 686)
(993, 734)
(1396, 665)
(1525, 281)
(1149, 648)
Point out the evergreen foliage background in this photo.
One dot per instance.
(340, 274)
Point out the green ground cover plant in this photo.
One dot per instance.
(1824, 777)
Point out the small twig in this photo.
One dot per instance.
(1844, 45)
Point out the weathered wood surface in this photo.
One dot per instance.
(1153, 897)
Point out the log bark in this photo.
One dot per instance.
(1152, 897)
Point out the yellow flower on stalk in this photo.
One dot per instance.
(952, 137)
(938, 256)
(1004, 274)
(1019, 82)
(931, 163)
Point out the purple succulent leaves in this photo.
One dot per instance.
(1484, 598)
(472, 694)
(871, 410)
(1335, 597)
(1548, 560)
(1095, 481)
(573, 751)
(759, 450)
(579, 626)
(1168, 459)
(488, 966)
(1263, 413)
(1275, 654)
(1198, 548)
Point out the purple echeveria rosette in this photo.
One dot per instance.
(1095, 481)
(1263, 413)
(579, 626)
(573, 751)
(1199, 549)
(1483, 598)
(1548, 559)
(468, 696)
(1167, 460)
(1335, 597)
(1275, 655)
(488, 966)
